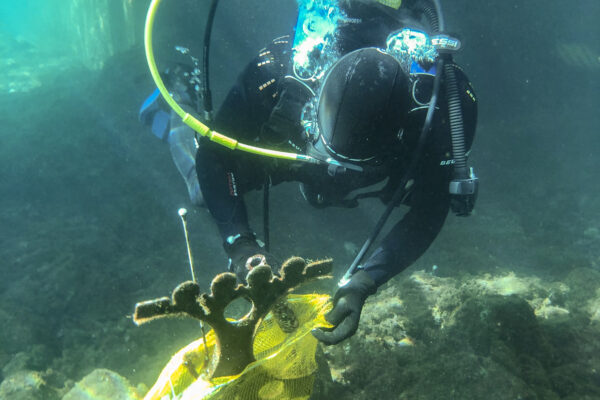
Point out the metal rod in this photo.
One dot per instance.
(266, 230)
(182, 214)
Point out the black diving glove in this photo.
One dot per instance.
(245, 253)
(348, 302)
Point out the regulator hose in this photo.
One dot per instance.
(463, 183)
(432, 11)
(206, 93)
(456, 124)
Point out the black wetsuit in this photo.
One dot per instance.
(226, 175)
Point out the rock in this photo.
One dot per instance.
(464, 337)
(17, 363)
(26, 385)
(463, 375)
(593, 307)
(384, 323)
(586, 280)
(547, 310)
(35, 359)
(492, 320)
(105, 385)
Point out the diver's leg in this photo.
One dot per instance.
(182, 144)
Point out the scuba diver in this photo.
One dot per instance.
(368, 88)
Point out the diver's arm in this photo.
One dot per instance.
(218, 167)
(407, 241)
(412, 235)
(220, 190)
(225, 175)
(430, 203)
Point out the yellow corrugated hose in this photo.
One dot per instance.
(391, 3)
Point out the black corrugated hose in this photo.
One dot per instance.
(206, 94)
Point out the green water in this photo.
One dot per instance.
(89, 197)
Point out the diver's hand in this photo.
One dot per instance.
(245, 253)
(348, 302)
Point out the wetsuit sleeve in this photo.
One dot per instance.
(414, 233)
(430, 202)
(225, 175)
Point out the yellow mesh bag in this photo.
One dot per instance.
(284, 367)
